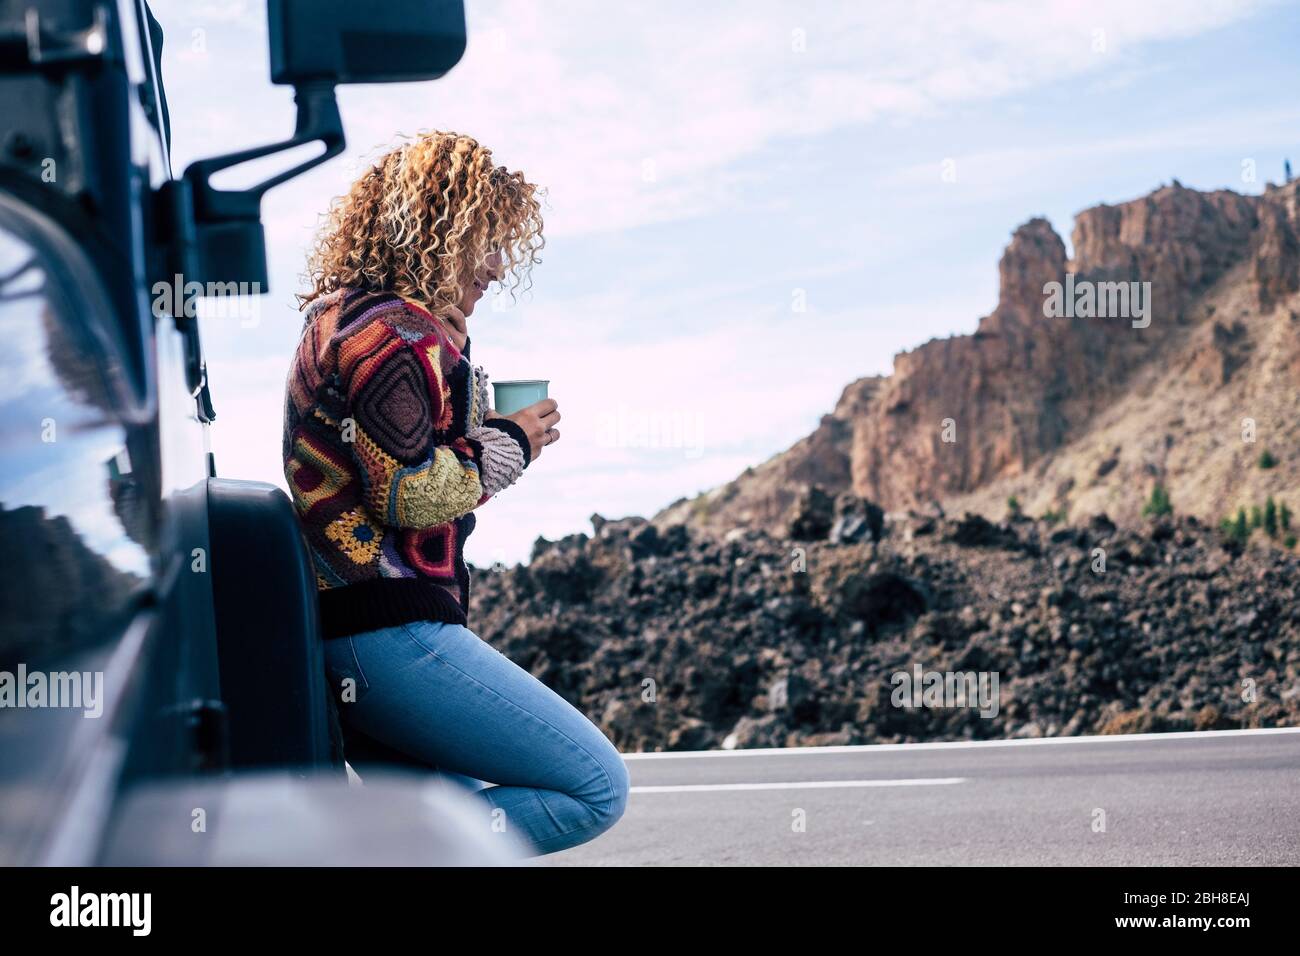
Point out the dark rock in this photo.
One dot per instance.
(974, 531)
(856, 519)
(750, 732)
(882, 598)
(811, 515)
(645, 541)
(1101, 525)
(691, 734)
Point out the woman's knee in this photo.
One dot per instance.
(608, 800)
(618, 786)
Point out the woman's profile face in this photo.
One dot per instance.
(439, 191)
(487, 273)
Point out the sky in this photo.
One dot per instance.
(749, 204)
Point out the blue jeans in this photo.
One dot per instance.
(439, 694)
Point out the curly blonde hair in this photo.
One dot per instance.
(424, 219)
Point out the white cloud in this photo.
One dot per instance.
(988, 173)
(589, 99)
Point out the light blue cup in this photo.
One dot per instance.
(512, 396)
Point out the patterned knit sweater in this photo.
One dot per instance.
(387, 455)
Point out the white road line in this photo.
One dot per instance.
(960, 744)
(802, 785)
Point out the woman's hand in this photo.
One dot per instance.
(538, 422)
(453, 322)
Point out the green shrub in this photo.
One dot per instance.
(1239, 529)
(1274, 518)
(1158, 504)
(1013, 506)
(1266, 460)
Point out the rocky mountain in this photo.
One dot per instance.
(1076, 415)
(674, 638)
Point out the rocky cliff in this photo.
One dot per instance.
(1074, 415)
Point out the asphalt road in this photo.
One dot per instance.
(1225, 798)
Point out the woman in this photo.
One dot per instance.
(390, 447)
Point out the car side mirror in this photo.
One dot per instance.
(216, 234)
(343, 41)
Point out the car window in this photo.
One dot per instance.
(76, 520)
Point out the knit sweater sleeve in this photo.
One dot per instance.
(424, 460)
(503, 460)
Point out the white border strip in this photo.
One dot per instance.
(959, 744)
(802, 785)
